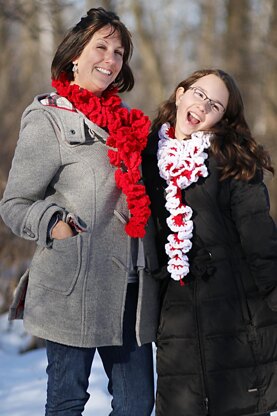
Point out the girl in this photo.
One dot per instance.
(217, 244)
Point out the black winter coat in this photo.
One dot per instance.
(217, 339)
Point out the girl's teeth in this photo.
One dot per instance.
(193, 119)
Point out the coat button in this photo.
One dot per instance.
(72, 131)
(29, 232)
(91, 133)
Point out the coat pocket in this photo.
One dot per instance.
(57, 268)
(16, 310)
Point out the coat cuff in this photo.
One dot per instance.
(36, 224)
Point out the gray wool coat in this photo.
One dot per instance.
(76, 287)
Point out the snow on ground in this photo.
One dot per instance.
(23, 386)
(23, 377)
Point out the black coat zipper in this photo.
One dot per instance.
(201, 354)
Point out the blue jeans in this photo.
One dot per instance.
(129, 369)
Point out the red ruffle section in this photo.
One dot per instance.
(128, 132)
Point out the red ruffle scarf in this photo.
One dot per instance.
(128, 131)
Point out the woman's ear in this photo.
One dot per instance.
(179, 93)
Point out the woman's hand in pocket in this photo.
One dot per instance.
(61, 231)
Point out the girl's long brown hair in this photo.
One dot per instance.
(237, 152)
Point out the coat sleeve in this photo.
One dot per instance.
(24, 207)
(258, 235)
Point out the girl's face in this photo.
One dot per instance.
(201, 106)
(100, 61)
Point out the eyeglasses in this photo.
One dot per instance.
(200, 95)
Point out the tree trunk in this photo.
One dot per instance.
(269, 77)
(151, 80)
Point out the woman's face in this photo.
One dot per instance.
(201, 106)
(100, 61)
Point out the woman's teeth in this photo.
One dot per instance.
(104, 71)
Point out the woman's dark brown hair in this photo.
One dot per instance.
(237, 152)
(78, 37)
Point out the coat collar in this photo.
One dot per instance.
(77, 128)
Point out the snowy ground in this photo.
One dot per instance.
(23, 377)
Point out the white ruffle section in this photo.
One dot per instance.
(181, 163)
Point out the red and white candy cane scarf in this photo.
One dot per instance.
(181, 163)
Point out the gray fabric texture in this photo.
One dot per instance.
(77, 286)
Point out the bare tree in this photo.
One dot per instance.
(152, 79)
(106, 4)
(237, 50)
(209, 41)
(268, 98)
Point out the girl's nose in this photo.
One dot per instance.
(205, 106)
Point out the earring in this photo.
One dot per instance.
(75, 68)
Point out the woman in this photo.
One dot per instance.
(217, 339)
(74, 188)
